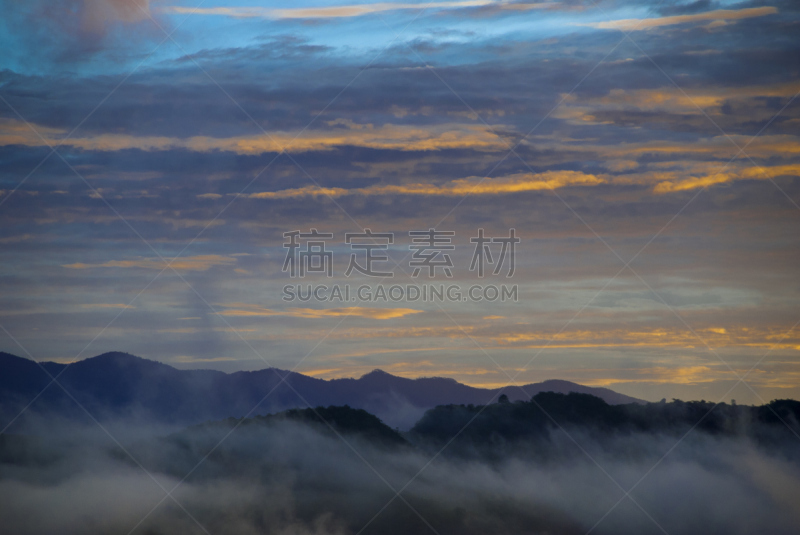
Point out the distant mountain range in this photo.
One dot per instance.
(119, 385)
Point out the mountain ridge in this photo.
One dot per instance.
(116, 384)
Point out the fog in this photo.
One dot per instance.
(294, 478)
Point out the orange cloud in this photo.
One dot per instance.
(749, 173)
(361, 312)
(188, 263)
(692, 183)
(682, 375)
(248, 310)
(776, 146)
(687, 375)
(658, 337)
(717, 15)
(466, 186)
(343, 133)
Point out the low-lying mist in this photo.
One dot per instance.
(291, 476)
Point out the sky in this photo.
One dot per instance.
(154, 153)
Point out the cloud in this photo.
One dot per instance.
(717, 15)
(677, 376)
(342, 133)
(717, 146)
(403, 155)
(98, 13)
(188, 263)
(601, 335)
(248, 310)
(469, 186)
(183, 330)
(107, 305)
(345, 11)
(754, 172)
(734, 108)
(685, 375)
(191, 359)
(361, 312)
(291, 478)
(43, 34)
(668, 375)
(15, 239)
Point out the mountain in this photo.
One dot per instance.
(119, 385)
(331, 421)
(533, 427)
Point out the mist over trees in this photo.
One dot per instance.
(554, 464)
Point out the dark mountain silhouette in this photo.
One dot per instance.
(332, 421)
(120, 385)
(499, 429)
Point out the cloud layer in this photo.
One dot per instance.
(673, 150)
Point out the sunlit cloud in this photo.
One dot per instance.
(695, 101)
(712, 147)
(499, 334)
(654, 338)
(691, 376)
(754, 172)
(345, 11)
(516, 183)
(717, 15)
(686, 375)
(342, 133)
(361, 312)
(653, 375)
(189, 263)
(249, 310)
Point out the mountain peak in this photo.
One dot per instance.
(116, 355)
(120, 359)
(558, 382)
(377, 372)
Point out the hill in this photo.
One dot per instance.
(119, 385)
(502, 428)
